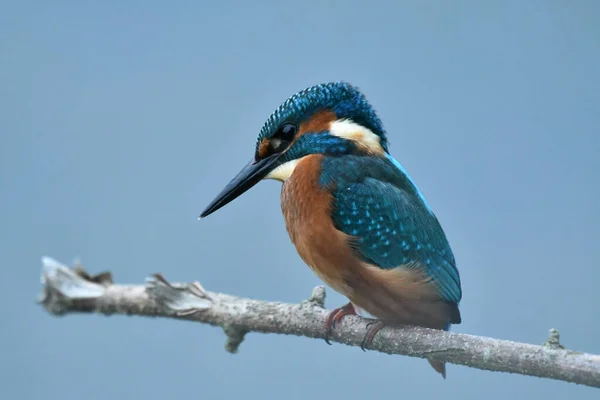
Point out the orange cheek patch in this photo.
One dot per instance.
(319, 122)
(263, 148)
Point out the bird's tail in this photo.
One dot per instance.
(439, 366)
(455, 318)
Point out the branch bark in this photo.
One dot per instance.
(69, 290)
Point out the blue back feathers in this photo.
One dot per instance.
(378, 204)
(341, 97)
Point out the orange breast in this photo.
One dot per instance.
(306, 209)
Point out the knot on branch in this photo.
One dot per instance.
(553, 341)
(317, 297)
(181, 299)
(235, 337)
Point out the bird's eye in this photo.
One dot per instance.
(283, 137)
(286, 132)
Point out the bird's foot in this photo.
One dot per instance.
(336, 316)
(372, 328)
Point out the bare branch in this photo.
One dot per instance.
(73, 290)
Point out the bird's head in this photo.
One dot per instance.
(331, 118)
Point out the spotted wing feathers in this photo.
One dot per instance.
(390, 223)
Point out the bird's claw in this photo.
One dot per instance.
(336, 316)
(372, 328)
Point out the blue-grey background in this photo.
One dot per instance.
(121, 120)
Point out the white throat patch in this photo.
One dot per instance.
(347, 129)
(284, 171)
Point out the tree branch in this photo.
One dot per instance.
(73, 290)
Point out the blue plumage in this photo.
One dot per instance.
(378, 204)
(320, 143)
(340, 97)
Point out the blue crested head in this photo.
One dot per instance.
(341, 98)
(333, 119)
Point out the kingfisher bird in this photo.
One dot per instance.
(353, 213)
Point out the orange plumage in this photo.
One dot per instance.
(396, 296)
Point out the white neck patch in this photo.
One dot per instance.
(347, 129)
(284, 171)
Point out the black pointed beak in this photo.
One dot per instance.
(249, 176)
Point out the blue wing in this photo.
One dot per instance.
(376, 202)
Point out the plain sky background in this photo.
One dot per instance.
(120, 121)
